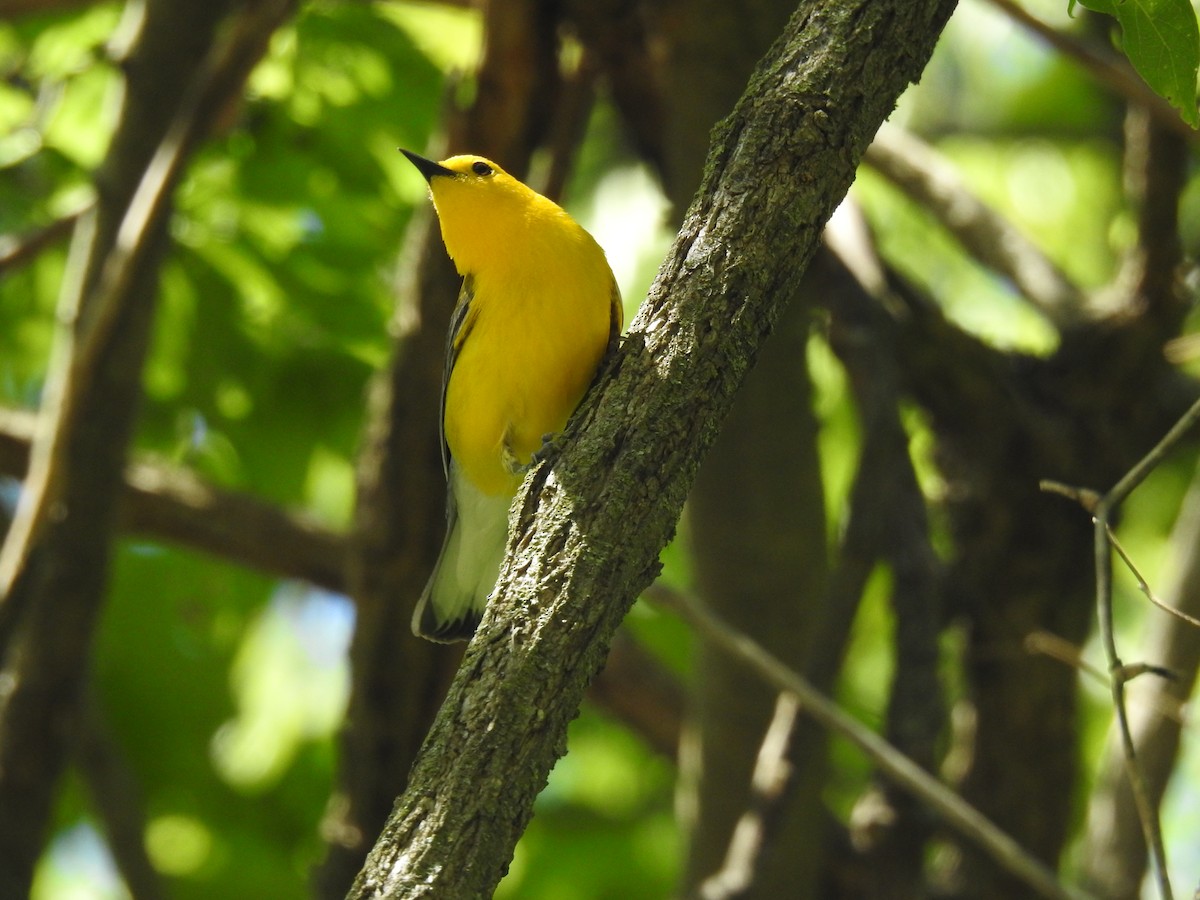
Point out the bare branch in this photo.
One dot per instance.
(1102, 514)
(1156, 171)
(169, 503)
(931, 181)
(1147, 815)
(1144, 586)
(1115, 849)
(1090, 501)
(1053, 646)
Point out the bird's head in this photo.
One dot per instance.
(483, 210)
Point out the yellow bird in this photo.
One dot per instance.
(539, 308)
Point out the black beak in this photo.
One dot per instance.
(427, 167)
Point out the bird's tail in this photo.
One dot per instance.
(476, 532)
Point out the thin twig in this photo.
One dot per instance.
(1090, 501)
(963, 817)
(1144, 586)
(1146, 813)
(1102, 511)
(1114, 850)
(1053, 646)
(16, 251)
(1151, 460)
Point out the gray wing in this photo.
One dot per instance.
(460, 327)
(616, 318)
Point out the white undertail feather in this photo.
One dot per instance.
(469, 563)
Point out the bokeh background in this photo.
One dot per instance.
(220, 690)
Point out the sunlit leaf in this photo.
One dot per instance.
(1162, 40)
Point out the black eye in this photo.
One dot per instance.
(481, 168)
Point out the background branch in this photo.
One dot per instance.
(170, 503)
(759, 823)
(1114, 858)
(931, 182)
(898, 768)
(1102, 516)
(888, 523)
(17, 251)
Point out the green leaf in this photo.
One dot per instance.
(1161, 39)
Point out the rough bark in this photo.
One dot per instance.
(592, 524)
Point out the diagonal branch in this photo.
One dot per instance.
(894, 765)
(588, 531)
(928, 179)
(163, 502)
(17, 251)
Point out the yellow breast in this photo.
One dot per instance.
(538, 324)
(537, 334)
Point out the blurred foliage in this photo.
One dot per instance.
(225, 689)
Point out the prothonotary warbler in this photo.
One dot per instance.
(538, 309)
